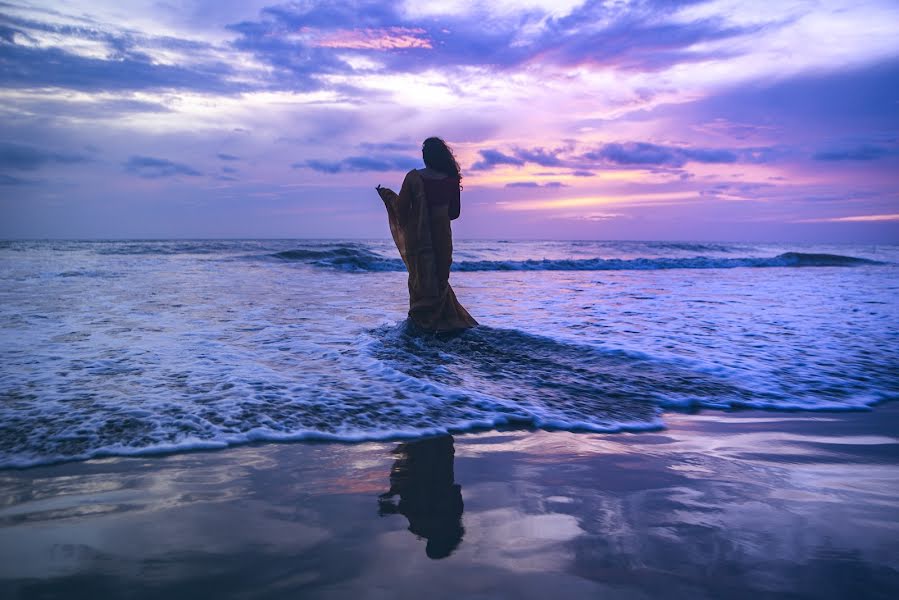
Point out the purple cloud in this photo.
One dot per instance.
(126, 68)
(28, 158)
(523, 184)
(388, 146)
(149, 167)
(638, 36)
(539, 156)
(641, 153)
(641, 36)
(858, 153)
(616, 154)
(11, 180)
(360, 164)
(490, 158)
(534, 184)
(636, 153)
(858, 103)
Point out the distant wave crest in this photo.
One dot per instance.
(344, 258)
(801, 259)
(355, 258)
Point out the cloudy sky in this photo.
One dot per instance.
(620, 119)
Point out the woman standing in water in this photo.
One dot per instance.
(419, 219)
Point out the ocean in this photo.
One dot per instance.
(112, 348)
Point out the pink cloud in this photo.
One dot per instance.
(855, 219)
(390, 38)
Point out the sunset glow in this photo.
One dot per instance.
(277, 120)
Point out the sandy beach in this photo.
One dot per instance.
(744, 504)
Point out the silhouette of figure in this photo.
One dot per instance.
(422, 476)
(419, 218)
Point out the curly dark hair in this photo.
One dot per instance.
(439, 156)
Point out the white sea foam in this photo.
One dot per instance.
(124, 348)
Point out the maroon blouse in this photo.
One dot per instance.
(440, 192)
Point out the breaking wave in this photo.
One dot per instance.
(399, 383)
(354, 258)
(349, 257)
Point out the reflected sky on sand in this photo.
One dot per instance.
(736, 505)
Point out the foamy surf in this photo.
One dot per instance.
(142, 347)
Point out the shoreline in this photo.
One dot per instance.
(736, 503)
(512, 426)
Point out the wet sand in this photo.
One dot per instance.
(719, 505)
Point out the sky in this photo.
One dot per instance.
(623, 119)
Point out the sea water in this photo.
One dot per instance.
(130, 347)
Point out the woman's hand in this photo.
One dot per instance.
(384, 192)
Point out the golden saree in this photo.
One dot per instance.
(423, 236)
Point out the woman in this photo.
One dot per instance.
(419, 219)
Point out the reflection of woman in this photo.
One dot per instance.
(419, 219)
(422, 476)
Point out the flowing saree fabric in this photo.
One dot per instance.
(422, 233)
